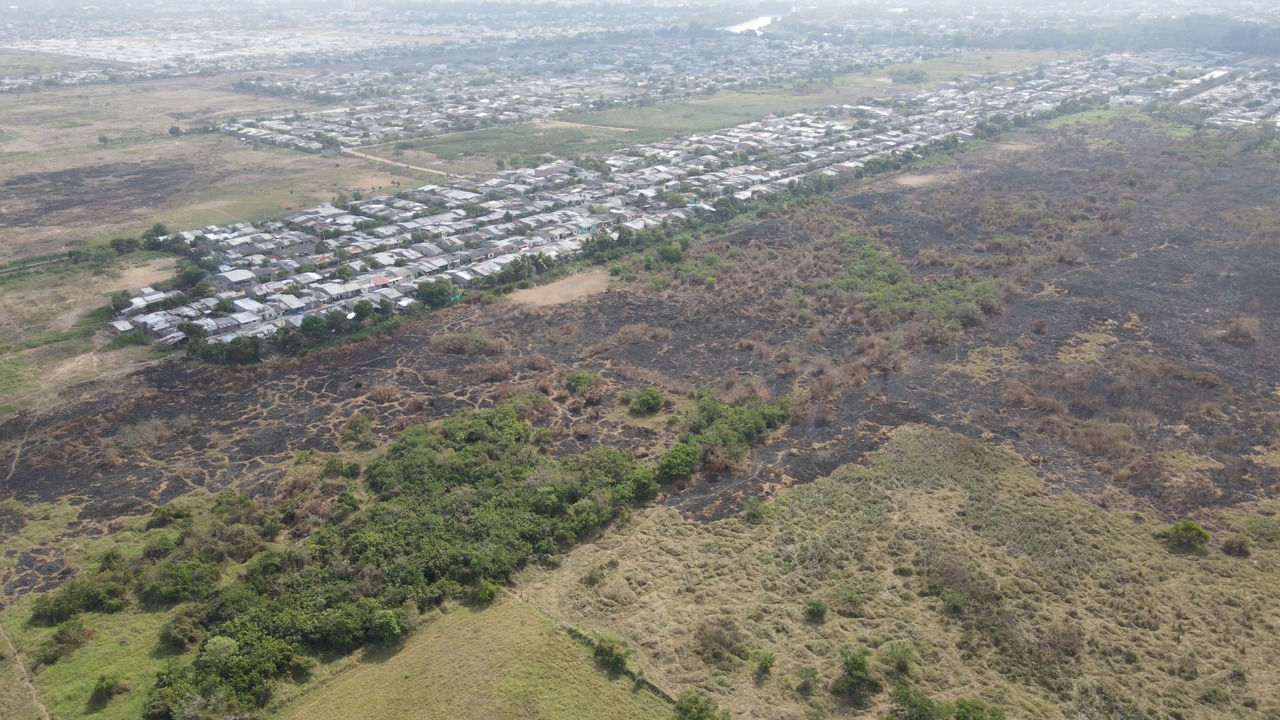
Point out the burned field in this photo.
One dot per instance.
(57, 198)
(1102, 302)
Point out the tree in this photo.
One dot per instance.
(435, 294)
(314, 328)
(175, 131)
(103, 140)
(364, 310)
(289, 341)
(124, 246)
(120, 301)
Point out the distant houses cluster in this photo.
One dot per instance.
(381, 248)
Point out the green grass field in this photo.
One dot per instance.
(524, 139)
(953, 67)
(505, 662)
(22, 62)
(123, 644)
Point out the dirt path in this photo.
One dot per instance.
(11, 653)
(574, 287)
(375, 158)
(565, 123)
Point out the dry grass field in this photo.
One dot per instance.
(947, 558)
(504, 661)
(60, 183)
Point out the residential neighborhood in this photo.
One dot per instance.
(379, 249)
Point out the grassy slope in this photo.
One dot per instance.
(505, 661)
(1071, 610)
(123, 644)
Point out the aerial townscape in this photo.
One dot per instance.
(400, 359)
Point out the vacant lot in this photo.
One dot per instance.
(574, 287)
(95, 162)
(959, 67)
(505, 661)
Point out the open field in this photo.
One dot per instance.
(504, 661)
(948, 560)
(53, 320)
(61, 184)
(24, 62)
(960, 67)
(575, 287)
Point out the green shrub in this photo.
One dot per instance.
(756, 510)
(967, 709)
(647, 401)
(764, 662)
(692, 706)
(69, 636)
(909, 704)
(856, 682)
(611, 654)
(107, 688)
(184, 629)
(485, 592)
(1186, 536)
(670, 254)
(815, 609)
(955, 602)
(579, 382)
(899, 656)
(806, 679)
(678, 463)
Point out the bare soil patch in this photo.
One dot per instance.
(918, 181)
(574, 287)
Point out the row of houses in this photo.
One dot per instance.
(380, 248)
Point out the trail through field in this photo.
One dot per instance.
(565, 123)
(375, 158)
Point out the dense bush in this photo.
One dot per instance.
(1186, 536)
(856, 682)
(579, 382)
(678, 462)
(611, 654)
(732, 429)
(815, 610)
(69, 635)
(107, 688)
(647, 401)
(693, 706)
(459, 506)
(103, 592)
